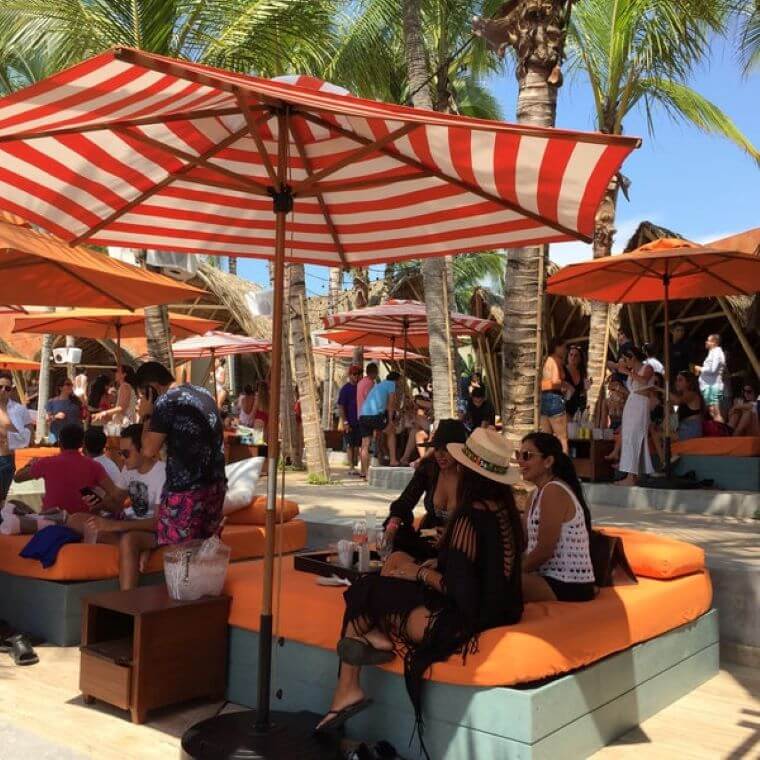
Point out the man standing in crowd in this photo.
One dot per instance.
(480, 411)
(62, 410)
(376, 418)
(365, 385)
(349, 417)
(186, 419)
(681, 352)
(711, 377)
(14, 432)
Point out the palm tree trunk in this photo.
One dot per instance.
(604, 235)
(71, 342)
(434, 276)
(524, 283)
(314, 438)
(232, 265)
(157, 335)
(292, 449)
(361, 299)
(335, 280)
(44, 387)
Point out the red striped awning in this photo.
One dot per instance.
(377, 353)
(218, 343)
(387, 323)
(136, 150)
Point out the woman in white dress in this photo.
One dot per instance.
(634, 451)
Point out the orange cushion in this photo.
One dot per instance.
(246, 542)
(75, 562)
(24, 456)
(655, 556)
(255, 512)
(741, 446)
(551, 639)
(87, 562)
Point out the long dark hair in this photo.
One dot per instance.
(563, 468)
(582, 365)
(130, 376)
(97, 389)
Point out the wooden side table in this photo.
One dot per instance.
(140, 649)
(588, 456)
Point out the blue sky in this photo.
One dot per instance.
(698, 185)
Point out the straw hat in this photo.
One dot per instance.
(488, 453)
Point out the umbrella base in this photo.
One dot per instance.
(234, 736)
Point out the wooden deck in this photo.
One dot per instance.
(721, 719)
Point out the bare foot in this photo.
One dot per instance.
(394, 464)
(379, 640)
(628, 481)
(341, 700)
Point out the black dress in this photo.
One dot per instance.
(480, 560)
(579, 400)
(407, 538)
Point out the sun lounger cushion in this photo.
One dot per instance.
(24, 456)
(741, 446)
(242, 478)
(551, 639)
(89, 562)
(255, 513)
(653, 556)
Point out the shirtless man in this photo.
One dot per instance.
(15, 432)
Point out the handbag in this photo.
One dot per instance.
(607, 556)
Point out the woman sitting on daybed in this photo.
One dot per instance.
(437, 477)
(430, 611)
(557, 563)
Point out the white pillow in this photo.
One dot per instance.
(242, 477)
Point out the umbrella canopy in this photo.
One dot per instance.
(669, 267)
(139, 150)
(39, 270)
(378, 353)
(106, 324)
(218, 343)
(395, 323)
(8, 361)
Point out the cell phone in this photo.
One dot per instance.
(87, 491)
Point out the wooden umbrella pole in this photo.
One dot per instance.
(118, 345)
(213, 374)
(666, 346)
(283, 204)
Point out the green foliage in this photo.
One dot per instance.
(749, 34)
(315, 479)
(643, 53)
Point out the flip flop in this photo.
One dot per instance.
(356, 652)
(341, 716)
(21, 650)
(6, 631)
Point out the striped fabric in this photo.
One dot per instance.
(376, 353)
(136, 150)
(220, 344)
(392, 319)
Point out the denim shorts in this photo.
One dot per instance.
(552, 404)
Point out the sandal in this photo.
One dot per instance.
(6, 632)
(356, 652)
(341, 716)
(21, 650)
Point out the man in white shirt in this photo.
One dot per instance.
(15, 432)
(94, 447)
(142, 481)
(711, 377)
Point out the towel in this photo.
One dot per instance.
(45, 544)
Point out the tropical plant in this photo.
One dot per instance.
(749, 34)
(640, 54)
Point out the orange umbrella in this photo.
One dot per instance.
(663, 270)
(8, 361)
(107, 324)
(40, 270)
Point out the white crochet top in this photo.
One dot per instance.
(571, 561)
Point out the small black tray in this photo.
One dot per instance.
(318, 563)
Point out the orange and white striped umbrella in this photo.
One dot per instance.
(137, 150)
(217, 343)
(376, 353)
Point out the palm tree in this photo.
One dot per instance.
(749, 35)
(640, 54)
(535, 30)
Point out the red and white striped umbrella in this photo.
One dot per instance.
(390, 323)
(216, 343)
(133, 149)
(376, 353)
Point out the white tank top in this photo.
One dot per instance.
(571, 562)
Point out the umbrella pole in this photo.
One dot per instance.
(666, 347)
(283, 205)
(213, 374)
(118, 345)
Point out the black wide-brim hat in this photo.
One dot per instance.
(448, 431)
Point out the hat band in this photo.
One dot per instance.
(497, 469)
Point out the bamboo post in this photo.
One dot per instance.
(603, 373)
(740, 334)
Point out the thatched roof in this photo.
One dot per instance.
(646, 232)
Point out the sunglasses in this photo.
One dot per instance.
(525, 456)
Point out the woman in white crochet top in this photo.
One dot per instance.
(557, 562)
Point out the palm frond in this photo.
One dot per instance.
(749, 35)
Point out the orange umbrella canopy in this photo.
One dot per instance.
(40, 270)
(670, 267)
(107, 324)
(8, 361)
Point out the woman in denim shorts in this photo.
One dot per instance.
(553, 389)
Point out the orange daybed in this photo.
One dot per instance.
(725, 446)
(87, 562)
(24, 456)
(551, 639)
